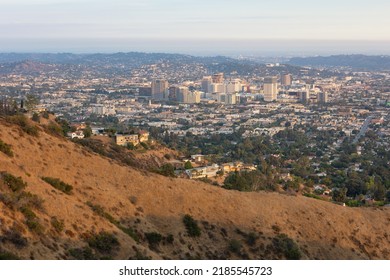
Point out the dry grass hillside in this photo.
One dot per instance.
(108, 210)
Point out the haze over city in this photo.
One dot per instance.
(196, 27)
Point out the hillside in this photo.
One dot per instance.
(358, 62)
(114, 211)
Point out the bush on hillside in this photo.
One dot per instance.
(287, 246)
(167, 170)
(4, 255)
(104, 242)
(82, 253)
(235, 246)
(16, 184)
(154, 238)
(58, 184)
(191, 225)
(32, 220)
(24, 124)
(6, 149)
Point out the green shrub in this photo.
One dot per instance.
(103, 242)
(100, 211)
(35, 117)
(145, 146)
(130, 146)
(353, 203)
(139, 256)
(191, 225)
(154, 238)
(14, 183)
(45, 114)
(32, 220)
(15, 238)
(167, 170)
(6, 149)
(4, 255)
(58, 225)
(170, 239)
(311, 195)
(54, 129)
(82, 253)
(22, 199)
(27, 199)
(235, 246)
(287, 246)
(251, 239)
(24, 124)
(58, 184)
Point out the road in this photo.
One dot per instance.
(363, 129)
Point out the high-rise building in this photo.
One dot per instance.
(217, 78)
(219, 88)
(286, 80)
(233, 86)
(173, 93)
(159, 88)
(191, 97)
(231, 98)
(270, 88)
(98, 109)
(206, 84)
(304, 96)
(322, 97)
(181, 93)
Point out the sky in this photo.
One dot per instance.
(258, 27)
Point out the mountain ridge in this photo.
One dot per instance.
(355, 61)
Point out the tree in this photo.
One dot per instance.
(32, 102)
(388, 196)
(188, 165)
(35, 117)
(167, 170)
(339, 194)
(130, 146)
(87, 132)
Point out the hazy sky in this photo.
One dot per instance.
(188, 26)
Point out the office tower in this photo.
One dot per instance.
(322, 97)
(219, 88)
(159, 88)
(217, 78)
(304, 96)
(206, 84)
(98, 109)
(270, 88)
(286, 80)
(231, 98)
(173, 93)
(191, 97)
(233, 86)
(181, 93)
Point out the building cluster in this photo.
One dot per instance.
(218, 104)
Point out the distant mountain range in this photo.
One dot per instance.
(122, 63)
(113, 58)
(137, 59)
(358, 61)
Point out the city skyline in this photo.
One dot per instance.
(196, 27)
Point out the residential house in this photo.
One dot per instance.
(124, 139)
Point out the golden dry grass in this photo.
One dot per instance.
(148, 202)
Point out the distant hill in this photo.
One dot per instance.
(358, 61)
(118, 63)
(122, 63)
(136, 58)
(59, 200)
